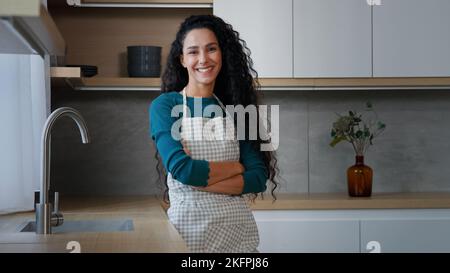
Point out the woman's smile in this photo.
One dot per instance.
(205, 71)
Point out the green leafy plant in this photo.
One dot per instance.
(356, 131)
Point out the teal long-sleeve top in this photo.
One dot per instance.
(191, 171)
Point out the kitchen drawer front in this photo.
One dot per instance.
(293, 232)
(408, 235)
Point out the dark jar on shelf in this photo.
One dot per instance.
(359, 178)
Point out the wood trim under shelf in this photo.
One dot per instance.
(115, 84)
(354, 83)
(325, 82)
(153, 84)
(150, 1)
(330, 201)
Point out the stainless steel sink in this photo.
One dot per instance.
(85, 226)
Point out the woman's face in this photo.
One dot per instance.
(201, 56)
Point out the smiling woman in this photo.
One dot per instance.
(207, 179)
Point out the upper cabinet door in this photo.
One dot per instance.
(411, 38)
(332, 38)
(266, 27)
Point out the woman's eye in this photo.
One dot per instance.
(192, 52)
(213, 49)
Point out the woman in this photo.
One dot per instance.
(206, 179)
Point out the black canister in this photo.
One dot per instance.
(144, 61)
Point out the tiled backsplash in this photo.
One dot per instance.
(411, 155)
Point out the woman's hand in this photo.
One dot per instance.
(186, 150)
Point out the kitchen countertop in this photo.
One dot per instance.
(152, 230)
(154, 233)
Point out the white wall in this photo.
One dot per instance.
(23, 110)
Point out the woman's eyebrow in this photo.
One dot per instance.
(195, 47)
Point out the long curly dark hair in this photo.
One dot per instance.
(236, 83)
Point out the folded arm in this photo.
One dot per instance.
(220, 171)
(252, 180)
(176, 159)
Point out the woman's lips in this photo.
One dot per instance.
(204, 70)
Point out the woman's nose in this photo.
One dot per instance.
(203, 57)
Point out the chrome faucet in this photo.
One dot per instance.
(45, 218)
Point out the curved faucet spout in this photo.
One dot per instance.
(43, 223)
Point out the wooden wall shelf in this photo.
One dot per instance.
(100, 36)
(114, 84)
(269, 84)
(65, 72)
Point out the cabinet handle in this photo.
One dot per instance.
(373, 2)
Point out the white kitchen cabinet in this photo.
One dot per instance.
(411, 38)
(328, 38)
(332, 38)
(28, 28)
(354, 230)
(11, 42)
(292, 231)
(411, 235)
(266, 27)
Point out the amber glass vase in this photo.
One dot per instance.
(359, 178)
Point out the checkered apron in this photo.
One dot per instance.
(211, 222)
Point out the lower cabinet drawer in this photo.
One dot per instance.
(308, 236)
(375, 230)
(409, 235)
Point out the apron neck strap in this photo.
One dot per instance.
(184, 103)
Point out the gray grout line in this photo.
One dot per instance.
(359, 225)
(292, 37)
(371, 42)
(307, 138)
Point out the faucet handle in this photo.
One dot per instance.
(56, 203)
(57, 217)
